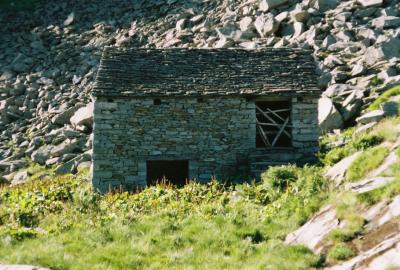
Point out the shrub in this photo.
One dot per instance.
(358, 143)
(367, 161)
(279, 177)
(340, 252)
(335, 155)
(384, 97)
(366, 141)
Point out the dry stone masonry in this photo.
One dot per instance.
(197, 105)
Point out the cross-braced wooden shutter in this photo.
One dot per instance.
(273, 124)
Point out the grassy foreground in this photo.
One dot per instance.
(62, 224)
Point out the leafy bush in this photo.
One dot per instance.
(340, 252)
(335, 155)
(367, 161)
(384, 97)
(279, 177)
(365, 141)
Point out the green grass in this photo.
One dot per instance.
(61, 223)
(340, 252)
(346, 204)
(366, 162)
(384, 97)
(357, 143)
(384, 192)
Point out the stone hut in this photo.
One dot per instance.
(201, 113)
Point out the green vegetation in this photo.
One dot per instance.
(367, 161)
(384, 97)
(385, 192)
(346, 210)
(62, 224)
(360, 142)
(340, 252)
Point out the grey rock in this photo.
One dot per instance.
(72, 165)
(83, 116)
(369, 117)
(384, 255)
(339, 89)
(266, 5)
(3, 181)
(324, 5)
(224, 43)
(368, 185)
(7, 75)
(65, 147)
(246, 23)
(21, 63)
(313, 233)
(266, 25)
(181, 24)
(358, 69)
(370, 3)
(324, 80)
(65, 116)
(386, 22)
(20, 178)
(70, 19)
(329, 117)
(352, 105)
(41, 155)
(338, 172)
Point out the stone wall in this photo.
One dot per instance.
(216, 135)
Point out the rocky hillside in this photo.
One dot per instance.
(49, 57)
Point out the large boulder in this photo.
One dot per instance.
(83, 116)
(313, 233)
(352, 105)
(382, 51)
(42, 154)
(65, 116)
(65, 147)
(329, 117)
(72, 165)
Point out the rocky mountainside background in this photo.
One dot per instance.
(49, 57)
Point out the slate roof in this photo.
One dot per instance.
(194, 72)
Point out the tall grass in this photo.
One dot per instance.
(366, 162)
(211, 226)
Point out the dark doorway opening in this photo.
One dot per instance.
(273, 123)
(175, 172)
